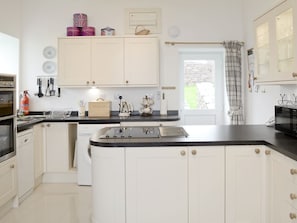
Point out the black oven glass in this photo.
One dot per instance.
(7, 145)
(6, 103)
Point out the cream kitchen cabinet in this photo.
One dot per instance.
(247, 187)
(158, 184)
(283, 188)
(74, 59)
(8, 180)
(141, 62)
(108, 178)
(38, 133)
(59, 140)
(25, 163)
(108, 61)
(276, 45)
(206, 184)
(57, 147)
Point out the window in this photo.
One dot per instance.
(202, 79)
(199, 84)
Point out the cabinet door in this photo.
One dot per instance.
(142, 61)
(276, 44)
(108, 61)
(263, 29)
(57, 147)
(74, 61)
(38, 131)
(8, 179)
(25, 162)
(206, 184)
(283, 188)
(285, 34)
(108, 178)
(246, 191)
(156, 185)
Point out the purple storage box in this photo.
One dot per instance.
(80, 20)
(73, 31)
(88, 31)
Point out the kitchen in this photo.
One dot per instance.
(193, 28)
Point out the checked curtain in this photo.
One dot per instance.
(233, 81)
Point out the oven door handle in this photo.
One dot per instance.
(7, 117)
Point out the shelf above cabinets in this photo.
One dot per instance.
(276, 48)
(108, 61)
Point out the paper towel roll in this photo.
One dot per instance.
(163, 109)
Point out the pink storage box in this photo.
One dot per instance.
(88, 31)
(73, 31)
(80, 20)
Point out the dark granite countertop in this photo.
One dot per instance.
(210, 135)
(114, 118)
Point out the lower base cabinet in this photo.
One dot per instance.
(108, 179)
(247, 188)
(283, 189)
(25, 163)
(8, 180)
(158, 184)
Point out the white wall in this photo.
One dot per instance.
(44, 21)
(260, 105)
(10, 17)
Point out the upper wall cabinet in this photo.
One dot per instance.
(276, 46)
(108, 61)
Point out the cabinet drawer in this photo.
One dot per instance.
(25, 138)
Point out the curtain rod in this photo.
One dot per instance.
(174, 43)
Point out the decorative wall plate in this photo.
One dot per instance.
(49, 52)
(49, 67)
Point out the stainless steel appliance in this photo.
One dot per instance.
(286, 119)
(7, 117)
(139, 132)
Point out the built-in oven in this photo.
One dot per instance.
(7, 116)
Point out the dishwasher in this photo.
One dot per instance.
(84, 168)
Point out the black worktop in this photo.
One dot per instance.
(211, 135)
(114, 118)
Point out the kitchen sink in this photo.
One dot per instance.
(172, 131)
(30, 117)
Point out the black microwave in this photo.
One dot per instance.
(286, 119)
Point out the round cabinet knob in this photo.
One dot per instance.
(183, 153)
(194, 152)
(294, 74)
(48, 125)
(293, 196)
(257, 151)
(127, 82)
(293, 171)
(293, 216)
(88, 82)
(93, 82)
(267, 152)
(11, 166)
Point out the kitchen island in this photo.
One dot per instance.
(215, 174)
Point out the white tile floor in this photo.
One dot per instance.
(54, 203)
